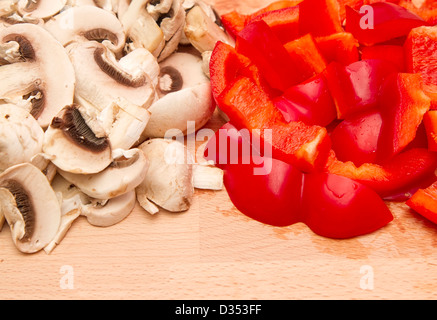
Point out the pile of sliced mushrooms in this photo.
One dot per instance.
(88, 90)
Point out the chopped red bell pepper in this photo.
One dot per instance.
(420, 49)
(248, 106)
(356, 138)
(403, 173)
(235, 22)
(424, 202)
(337, 207)
(319, 17)
(309, 102)
(427, 10)
(306, 56)
(391, 53)
(403, 105)
(355, 88)
(258, 42)
(430, 122)
(388, 21)
(339, 47)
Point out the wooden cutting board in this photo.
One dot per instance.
(214, 252)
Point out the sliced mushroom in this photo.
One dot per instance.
(207, 177)
(141, 29)
(169, 181)
(45, 165)
(44, 78)
(108, 213)
(202, 32)
(75, 142)
(101, 79)
(125, 173)
(21, 137)
(185, 96)
(87, 23)
(30, 206)
(40, 9)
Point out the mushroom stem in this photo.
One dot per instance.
(207, 177)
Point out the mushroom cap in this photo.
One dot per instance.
(21, 136)
(101, 80)
(46, 69)
(87, 23)
(25, 186)
(40, 9)
(77, 144)
(126, 172)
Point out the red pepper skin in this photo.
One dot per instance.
(403, 105)
(404, 172)
(356, 138)
(319, 17)
(309, 102)
(420, 48)
(355, 88)
(258, 42)
(307, 59)
(391, 21)
(391, 53)
(248, 106)
(424, 202)
(430, 122)
(340, 208)
(339, 47)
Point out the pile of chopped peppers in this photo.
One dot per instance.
(349, 94)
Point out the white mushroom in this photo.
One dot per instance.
(44, 79)
(123, 175)
(21, 137)
(40, 9)
(108, 213)
(185, 96)
(30, 206)
(101, 79)
(75, 142)
(202, 32)
(87, 23)
(169, 181)
(45, 165)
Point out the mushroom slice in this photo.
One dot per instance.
(87, 23)
(101, 79)
(21, 137)
(45, 165)
(44, 78)
(30, 206)
(169, 181)
(123, 175)
(108, 213)
(40, 9)
(141, 29)
(207, 177)
(202, 32)
(185, 96)
(75, 142)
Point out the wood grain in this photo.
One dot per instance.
(214, 252)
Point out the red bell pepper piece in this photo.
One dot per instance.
(280, 195)
(306, 56)
(354, 4)
(403, 173)
(248, 106)
(338, 207)
(258, 42)
(391, 53)
(420, 49)
(388, 21)
(355, 88)
(356, 138)
(427, 10)
(403, 105)
(339, 47)
(319, 17)
(424, 202)
(309, 102)
(430, 122)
